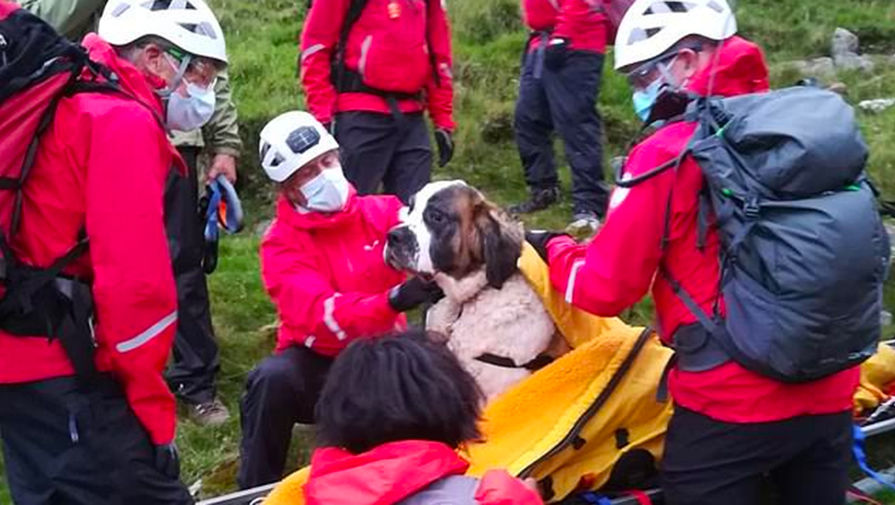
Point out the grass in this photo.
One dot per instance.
(488, 38)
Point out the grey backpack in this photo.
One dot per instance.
(803, 250)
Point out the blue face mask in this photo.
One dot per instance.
(645, 99)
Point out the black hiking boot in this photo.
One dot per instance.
(539, 199)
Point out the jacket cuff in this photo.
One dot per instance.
(230, 151)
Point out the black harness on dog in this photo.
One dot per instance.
(536, 364)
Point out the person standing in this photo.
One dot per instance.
(558, 88)
(732, 426)
(369, 68)
(192, 372)
(85, 414)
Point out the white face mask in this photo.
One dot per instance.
(192, 111)
(328, 192)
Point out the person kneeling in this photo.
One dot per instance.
(391, 416)
(322, 265)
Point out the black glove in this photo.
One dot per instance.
(539, 239)
(167, 460)
(445, 141)
(556, 53)
(412, 293)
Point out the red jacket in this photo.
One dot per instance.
(104, 162)
(394, 471)
(390, 46)
(619, 266)
(327, 276)
(579, 21)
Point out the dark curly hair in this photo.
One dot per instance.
(398, 387)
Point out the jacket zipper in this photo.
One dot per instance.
(591, 411)
(364, 49)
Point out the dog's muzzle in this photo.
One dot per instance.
(401, 248)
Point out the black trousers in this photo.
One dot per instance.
(805, 460)
(63, 446)
(565, 101)
(380, 148)
(281, 391)
(191, 376)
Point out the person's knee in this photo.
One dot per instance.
(275, 377)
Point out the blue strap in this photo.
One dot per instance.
(211, 215)
(861, 458)
(595, 499)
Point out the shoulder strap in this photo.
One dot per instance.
(355, 8)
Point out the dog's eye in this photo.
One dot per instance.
(435, 217)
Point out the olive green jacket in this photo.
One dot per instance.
(75, 18)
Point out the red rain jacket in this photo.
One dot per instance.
(103, 162)
(620, 265)
(580, 21)
(327, 276)
(393, 46)
(394, 471)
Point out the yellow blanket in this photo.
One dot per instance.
(561, 427)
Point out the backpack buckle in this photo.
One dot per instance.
(751, 209)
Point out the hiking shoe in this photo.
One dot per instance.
(584, 224)
(213, 413)
(539, 199)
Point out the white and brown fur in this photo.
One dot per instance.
(470, 247)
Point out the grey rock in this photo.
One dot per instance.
(817, 67)
(844, 42)
(854, 62)
(885, 317)
(877, 105)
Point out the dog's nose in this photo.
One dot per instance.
(396, 236)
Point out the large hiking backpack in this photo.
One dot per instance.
(38, 67)
(803, 250)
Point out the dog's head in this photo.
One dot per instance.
(451, 228)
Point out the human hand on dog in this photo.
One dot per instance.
(412, 293)
(539, 240)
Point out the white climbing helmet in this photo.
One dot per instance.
(651, 27)
(188, 24)
(291, 140)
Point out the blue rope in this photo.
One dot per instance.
(861, 458)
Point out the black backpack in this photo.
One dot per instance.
(39, 67)
(803, 250)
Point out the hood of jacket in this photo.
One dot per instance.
(737, 68)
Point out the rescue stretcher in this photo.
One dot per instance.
(886, 424)
(255, 496)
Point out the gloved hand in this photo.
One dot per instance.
(167, 460)
(445, 141)
(556, 53)
(412, 293)
(539, 239)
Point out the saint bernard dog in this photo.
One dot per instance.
(491, 319)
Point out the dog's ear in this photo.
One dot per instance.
(501, 243)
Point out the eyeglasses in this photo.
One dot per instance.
(199, 71)
(645, 74)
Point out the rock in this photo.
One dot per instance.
(844, 42)
(818, 67)
(877, 105)
(885, 317)
(854, 62)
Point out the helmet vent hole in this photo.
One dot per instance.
(120, 9)
(265, 147)
(277, 159)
